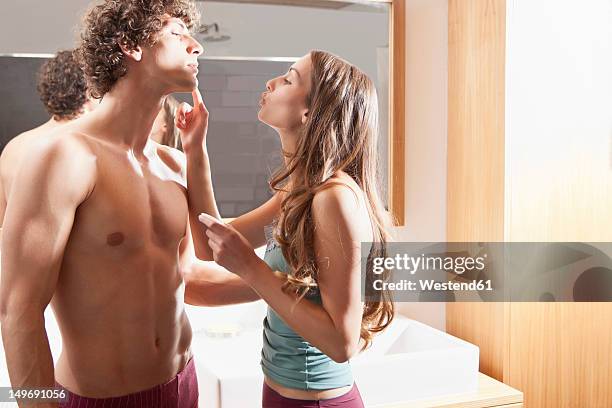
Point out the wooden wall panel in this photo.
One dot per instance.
(561, 354)
(476, 47)
(397, 120)
(558, 354)
(475, 197)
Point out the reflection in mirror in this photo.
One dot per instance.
(263, 38)
(245, 44)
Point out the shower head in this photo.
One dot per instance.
(216, 37)
(211, 33)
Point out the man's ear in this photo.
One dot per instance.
(304, 116)
(135, 54)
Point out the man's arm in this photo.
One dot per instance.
(2, 204)
(6, 159)
(40, 213)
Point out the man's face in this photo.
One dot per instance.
(173, 59)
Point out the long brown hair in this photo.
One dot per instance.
(340, 133)
(172, 135)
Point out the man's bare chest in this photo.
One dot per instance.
(133, 207)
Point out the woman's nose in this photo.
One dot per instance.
(271, 84)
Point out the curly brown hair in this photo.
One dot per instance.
(132, 23)
(61, 86)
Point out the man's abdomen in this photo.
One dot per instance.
(123, 327)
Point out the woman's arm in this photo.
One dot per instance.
(333, 327)
(193, 126)
(208, 284)
(251, 225)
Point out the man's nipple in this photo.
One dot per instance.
(115, 239)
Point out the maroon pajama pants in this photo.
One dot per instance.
(272, 399)
(180, 392)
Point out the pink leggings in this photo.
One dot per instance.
(272, 399)
(180, 392)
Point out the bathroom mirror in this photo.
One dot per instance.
(245, 44)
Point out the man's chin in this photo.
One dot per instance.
(187, 86)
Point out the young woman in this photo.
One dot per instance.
(326, 204)
(163, 131)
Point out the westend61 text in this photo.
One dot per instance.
(431, 285)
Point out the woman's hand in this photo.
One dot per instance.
(192, 122)
(230, 249)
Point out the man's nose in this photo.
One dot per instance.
(194, 47)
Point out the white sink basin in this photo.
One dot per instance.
(408, 361)
(412, 361)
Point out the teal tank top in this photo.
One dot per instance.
(286, 357)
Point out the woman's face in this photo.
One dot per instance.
(160, 127)
(283, 105)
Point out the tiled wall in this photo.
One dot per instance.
(243, 151)
(20, 105)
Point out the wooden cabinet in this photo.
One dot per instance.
(507, 182)
(491, 393)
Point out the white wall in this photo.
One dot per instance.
(34, 26)
(426, 133)
(559, 120)
(354, 32)
(289, 31)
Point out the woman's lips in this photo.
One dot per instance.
(194, 67)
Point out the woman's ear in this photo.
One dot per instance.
(135, 53)
(304, 117)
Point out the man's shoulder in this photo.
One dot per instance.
(59, 162)
(18, 142)
(62, 149)
(14, 151)
(176, 154)
(66, 138)
(173, 158)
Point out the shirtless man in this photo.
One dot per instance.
(97, 225)
(63, 92)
